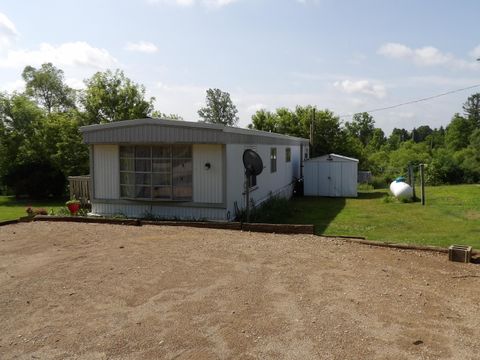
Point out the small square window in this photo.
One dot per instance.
(273, 160)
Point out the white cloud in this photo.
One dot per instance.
(8, 32)
(475, 53)
(75, 83)
(361, 87)
(187, 3)
(142, 46)
(77, 53)
(427, 56)
(17, 85)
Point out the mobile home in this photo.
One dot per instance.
(185, 170)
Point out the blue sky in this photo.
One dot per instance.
(347, 56)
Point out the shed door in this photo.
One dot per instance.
(335, 179)
(323, 177)
(329, 179)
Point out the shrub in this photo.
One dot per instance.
(35, 180)
(365, 187)
(268, 212)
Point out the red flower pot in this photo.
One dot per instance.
(73, 208)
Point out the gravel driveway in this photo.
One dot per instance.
(94, 291)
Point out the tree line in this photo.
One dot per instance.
(40, 142)
(452, 154)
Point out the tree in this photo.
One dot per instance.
(111, 96)
(160, 115)
(469, 159)
(378, 139)
(472, 109)
(264, 120)
(46, 85)
(458, 132)
(421, 133)
(362, 127)
(397, 137)
(219, 108)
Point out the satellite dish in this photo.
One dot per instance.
(252, 162)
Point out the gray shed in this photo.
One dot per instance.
(331, 175)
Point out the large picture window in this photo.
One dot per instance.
(162, 172)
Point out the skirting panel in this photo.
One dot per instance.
(161, 212)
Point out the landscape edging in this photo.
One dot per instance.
(9, 222)
(402, 246)
(254, 227)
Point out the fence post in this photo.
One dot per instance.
(422, 183)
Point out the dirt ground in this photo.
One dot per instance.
(91, 291)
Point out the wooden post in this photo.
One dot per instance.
(422, 183)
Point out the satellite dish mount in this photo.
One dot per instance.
(253, 166)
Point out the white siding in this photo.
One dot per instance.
(268, 183)
(207, 184)
(106, 172)
(161, 211)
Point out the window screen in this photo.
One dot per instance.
(162, 172)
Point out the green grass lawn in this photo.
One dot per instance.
(10, 208)
(451, 216)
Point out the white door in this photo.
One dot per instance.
(323, 179)
(335, 186)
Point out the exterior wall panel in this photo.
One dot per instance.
(279, 183)
(207, 183)
(106, 171)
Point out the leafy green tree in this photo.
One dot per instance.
(378, 139)
(444, 168)
(397, 137)
(328, 135)
(111, 96)
(409, 153)
(458, 132)
(421, 133)
(472, 109)
(18, 113)
(264, 120)
(46, 85)
(362, 126)
(18, 118)
(160, 115)
(469, 159)
(58, 139)
(219, 108)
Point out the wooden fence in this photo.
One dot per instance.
(80, 188)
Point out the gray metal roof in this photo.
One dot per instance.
(334, 157)
(148, 131)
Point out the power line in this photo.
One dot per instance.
(412, 101)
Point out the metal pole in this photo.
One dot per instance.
(422, 183)
(409, 174)
(411, 180)
(247, 195)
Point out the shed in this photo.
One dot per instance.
(331, 175)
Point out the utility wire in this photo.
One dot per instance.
(412, 101)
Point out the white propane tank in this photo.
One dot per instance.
(401, 190)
